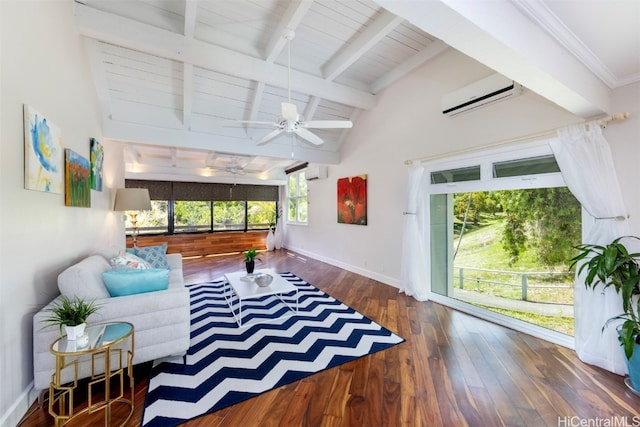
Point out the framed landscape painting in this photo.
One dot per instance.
(43, 155)
(77, 180)
(352, 200)
(97, 159)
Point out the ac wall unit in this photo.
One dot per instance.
(486, 91)
(315, 172)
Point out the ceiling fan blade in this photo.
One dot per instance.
(327, 124)
(289, 112)
(269, 136)
(311, 137)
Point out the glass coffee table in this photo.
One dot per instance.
(101, 344)
(242, 287)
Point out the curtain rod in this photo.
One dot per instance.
(603, 123)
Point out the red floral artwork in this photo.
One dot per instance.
(352, 200)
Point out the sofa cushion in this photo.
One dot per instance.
(84, 279)
(127, 260)
(154, 255)
(134, 281)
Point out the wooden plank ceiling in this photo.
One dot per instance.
(174, 77)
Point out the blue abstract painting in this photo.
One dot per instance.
(43, 153)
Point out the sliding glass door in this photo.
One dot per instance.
(502, 228)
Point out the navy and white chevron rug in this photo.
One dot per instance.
(227, 364)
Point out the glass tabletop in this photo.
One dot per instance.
(95, 337)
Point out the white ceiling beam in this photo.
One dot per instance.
(310, 109)
(504, 39)
(153, 135)
(543, 16)
(174, 156)
(131, 154)
(155, 173)
(211, 158)
(431, 51)
(379, 29)
(190, 11)
(290, 20)
(277, 165)
(256, 100)
(155, 41)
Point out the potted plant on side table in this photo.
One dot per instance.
(72, 314)
(613, 265)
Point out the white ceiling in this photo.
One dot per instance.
(174, 76)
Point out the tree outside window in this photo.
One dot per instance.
(297, 198)
(192, 216)
(228, 216)
(154, 221)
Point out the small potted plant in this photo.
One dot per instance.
(72, 314)
(249, 260)
(613, 265)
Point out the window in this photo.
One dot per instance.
(456, 175)
(154, 221)
(261, 215)
(520, 167)
(228, 216)
(297, 198)
(191, 216)
(184, 207)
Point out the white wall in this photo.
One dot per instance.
(406, 124)
(43, 64)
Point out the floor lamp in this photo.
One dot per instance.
(133, 200)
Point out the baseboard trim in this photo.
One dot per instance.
(20, 407)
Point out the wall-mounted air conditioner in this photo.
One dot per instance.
(486, 91)
(315, 172)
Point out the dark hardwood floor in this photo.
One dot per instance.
(452, 370)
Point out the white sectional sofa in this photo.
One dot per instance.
(161, 319)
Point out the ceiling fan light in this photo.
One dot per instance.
(289, 112)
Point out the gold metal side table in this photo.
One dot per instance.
(106, 364)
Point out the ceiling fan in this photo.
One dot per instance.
(234, 167)
(290, 121)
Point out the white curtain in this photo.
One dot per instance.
(414, 263)
(586, 164)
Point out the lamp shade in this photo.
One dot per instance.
(132, 199)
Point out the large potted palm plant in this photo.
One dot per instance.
(613, 265)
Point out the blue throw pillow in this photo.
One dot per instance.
(130, 281)
(154, 255)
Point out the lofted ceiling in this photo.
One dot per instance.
(176, 77)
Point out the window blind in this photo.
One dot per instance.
(200, 191)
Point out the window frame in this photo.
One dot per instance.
(170, 211)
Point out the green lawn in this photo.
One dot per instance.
(481, 249)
